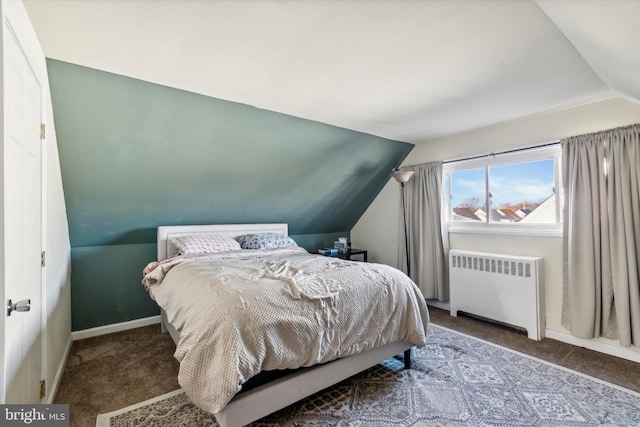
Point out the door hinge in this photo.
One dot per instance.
(43, 389)
(43, 258)
(43, 131)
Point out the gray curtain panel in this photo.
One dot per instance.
(428, 239)
(601, 178)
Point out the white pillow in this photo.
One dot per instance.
(204, 244)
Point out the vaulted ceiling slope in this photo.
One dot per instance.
(408, 70)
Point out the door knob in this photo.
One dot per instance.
(22, 305)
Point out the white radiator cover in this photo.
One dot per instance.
(505, 288)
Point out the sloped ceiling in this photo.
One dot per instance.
(406, 70)
(606, 34)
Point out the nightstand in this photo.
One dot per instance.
(348, 255)
(352, 252)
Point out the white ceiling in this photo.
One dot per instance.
(409, 70)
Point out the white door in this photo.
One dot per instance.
(22, 224)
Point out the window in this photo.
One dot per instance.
(513, 191)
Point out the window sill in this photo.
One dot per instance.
(543, 230)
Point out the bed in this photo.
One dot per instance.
(330, 356)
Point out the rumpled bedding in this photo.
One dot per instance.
(240, 313)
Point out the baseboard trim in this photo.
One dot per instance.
(53, 390)
(631, 353)
(116, 327)
(444, 305)
(599, 345)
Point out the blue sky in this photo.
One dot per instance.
(509, 184)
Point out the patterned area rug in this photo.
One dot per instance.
(456, 380)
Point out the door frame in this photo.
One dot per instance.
(16, 24)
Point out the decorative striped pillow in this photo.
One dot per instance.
(204, 244)
(266, 241)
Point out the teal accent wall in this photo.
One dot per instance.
(135, 155)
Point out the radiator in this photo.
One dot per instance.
(504, 288)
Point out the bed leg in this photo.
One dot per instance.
(407, 359)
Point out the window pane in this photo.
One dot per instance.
(468, 195)
(523, 193)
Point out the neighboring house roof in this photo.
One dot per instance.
(545, 212)
(505, 215)
(460, 213)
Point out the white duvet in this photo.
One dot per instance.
(239, 313)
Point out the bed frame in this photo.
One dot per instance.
(253, 404)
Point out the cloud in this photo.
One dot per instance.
(519, 190)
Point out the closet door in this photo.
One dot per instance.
(22, 187)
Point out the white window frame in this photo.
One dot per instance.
(525, 155)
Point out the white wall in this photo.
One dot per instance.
(377, 230)
(58, 248)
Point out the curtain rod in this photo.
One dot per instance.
(492, 154)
